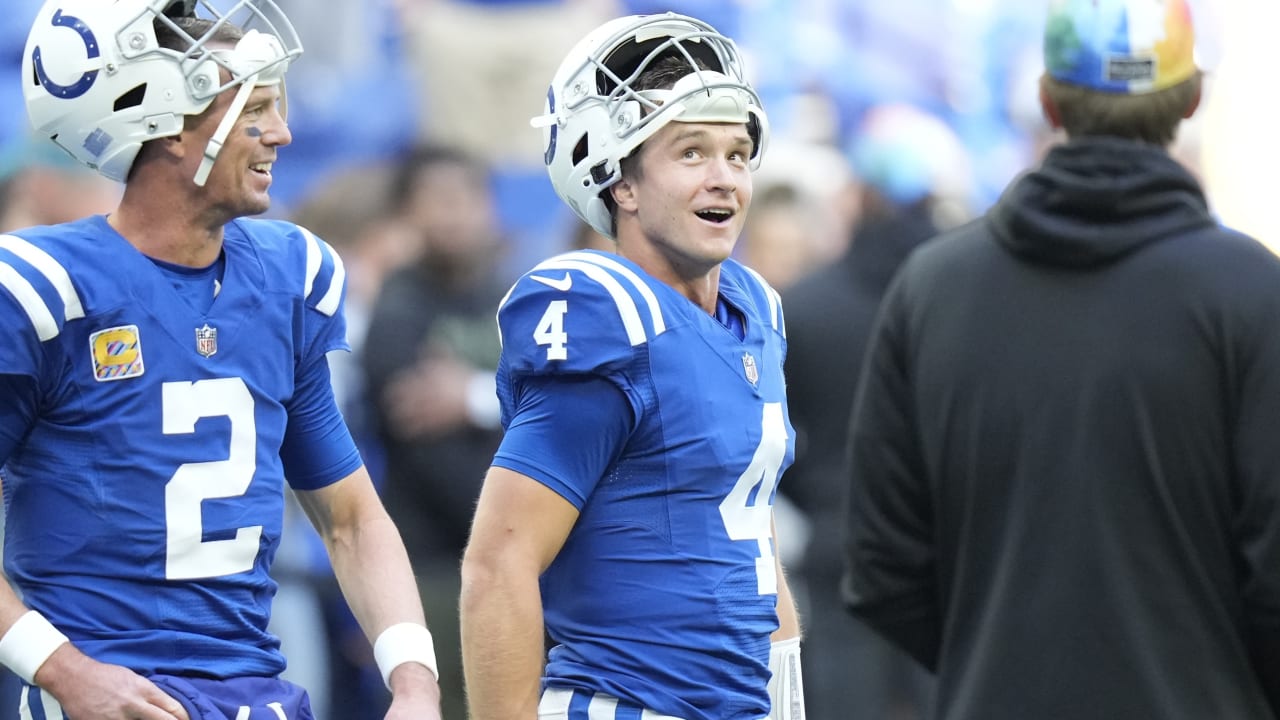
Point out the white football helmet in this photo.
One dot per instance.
(594, 117)
(98, 84)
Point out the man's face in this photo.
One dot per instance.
(241, 175)
(693, 190)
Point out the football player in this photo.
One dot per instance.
(628, 512)
(164, 371)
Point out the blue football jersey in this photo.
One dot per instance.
(664, 594)
(145, 504)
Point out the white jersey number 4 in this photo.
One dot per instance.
(748, 515)
(550, 330)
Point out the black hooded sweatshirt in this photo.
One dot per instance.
(1065, 453)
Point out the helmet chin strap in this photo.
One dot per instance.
(224, 128)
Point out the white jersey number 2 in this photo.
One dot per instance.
(188, 555)
(747, 510)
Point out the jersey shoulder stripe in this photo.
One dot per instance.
(326, 275)
(637, 283)
(24, 268)
(293, 255)
(579, 312)
(772, 297)
(620, 283)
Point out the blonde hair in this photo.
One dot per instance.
(1150, 117)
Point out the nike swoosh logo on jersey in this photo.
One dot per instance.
(563, 284)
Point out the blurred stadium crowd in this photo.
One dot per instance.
(413, 156)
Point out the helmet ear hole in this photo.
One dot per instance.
(580, 149)
(132, 98)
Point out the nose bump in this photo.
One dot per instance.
(721, 175)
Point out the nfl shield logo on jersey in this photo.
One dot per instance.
(206, 340)
(749, 364)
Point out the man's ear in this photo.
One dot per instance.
(624, 195)
(1195, 100)
(1047, 106)
(174, 146)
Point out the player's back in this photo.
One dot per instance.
(664, 593)
(145, 505)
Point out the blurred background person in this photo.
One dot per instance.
(1062, 476)
(911, 177)
(431, 351)
(353, 211)
(41, 185)
(801, 210)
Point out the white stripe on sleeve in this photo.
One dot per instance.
(655, 310)
(51, 269)
(32, 304)
(627, 309)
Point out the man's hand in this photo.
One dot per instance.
(86, 688)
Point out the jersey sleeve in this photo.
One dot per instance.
(318, 448)
(37, 298)
(588, 409)
(570, 327)
(766, 301)
(324, 290)
(576, 314)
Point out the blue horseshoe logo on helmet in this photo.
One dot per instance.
(550, 153)
(87, 79)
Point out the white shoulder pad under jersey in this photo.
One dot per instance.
(580, 312)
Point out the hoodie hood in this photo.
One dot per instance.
(1096, 199)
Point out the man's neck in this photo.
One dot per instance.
(699, 284)
(168, 233)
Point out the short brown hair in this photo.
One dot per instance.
(663, 74)
(1150, 117)
(168, 38)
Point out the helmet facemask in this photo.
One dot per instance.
(596, 115)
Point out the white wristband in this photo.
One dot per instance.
(402, 643)
(786, 684)
(28, 643)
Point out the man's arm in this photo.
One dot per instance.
(890, 580)
(786, 684)
(1256, 462)
(519, 527)
(372, 567)
(788, 616)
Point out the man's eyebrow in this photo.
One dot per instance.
(695, 133)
